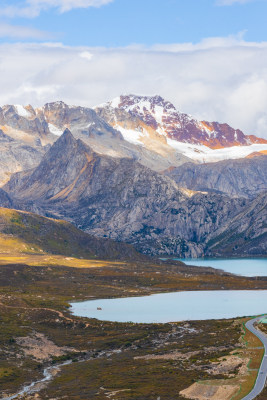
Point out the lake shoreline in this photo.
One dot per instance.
(175, 306)
(249, 267)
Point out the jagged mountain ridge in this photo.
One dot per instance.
(163, 117)
(122, 200)
(147, 129)
(42, 126)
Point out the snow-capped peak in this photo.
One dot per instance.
(141, 104)
(166, 120)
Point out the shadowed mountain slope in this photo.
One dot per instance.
(24, 232)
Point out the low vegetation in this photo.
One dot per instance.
(113, 360)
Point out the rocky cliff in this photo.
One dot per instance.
(246, 177)
(244, 235)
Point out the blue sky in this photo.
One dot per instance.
(126, 22)
(208, 57)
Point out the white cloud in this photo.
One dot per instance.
(231, 2)
(22, 32)
(208, 43)
(32, 8)
(222, 79)
(86, 55)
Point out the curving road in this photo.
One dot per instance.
(262, 375)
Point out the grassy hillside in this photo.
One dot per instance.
(27, 233)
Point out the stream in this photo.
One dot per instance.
(35, 386)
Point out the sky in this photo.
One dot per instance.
(208, 57)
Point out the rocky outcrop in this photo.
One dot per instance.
(23, 119)
(80, 120)
(244, 235)
(17, 155)
(24, 139)
(121, 199)
(5, 200)
(246, 177)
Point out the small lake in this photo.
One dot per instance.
(239, 266)
(177, 306)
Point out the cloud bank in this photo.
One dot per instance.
(22, 32)
(33, 8)
(231, 2)
(218, 79)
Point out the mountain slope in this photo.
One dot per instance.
(120, 199)
(244, 235)
(246, 177)
(23, 232)
(18, 155)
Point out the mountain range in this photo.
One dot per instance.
(135, 170)
(147, 129)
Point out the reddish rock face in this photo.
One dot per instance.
(257, 154)
(162, 116)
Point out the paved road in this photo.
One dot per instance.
(260, 382)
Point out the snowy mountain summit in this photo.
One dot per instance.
(162, 116)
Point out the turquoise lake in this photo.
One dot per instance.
(239, 266)
(177, 306)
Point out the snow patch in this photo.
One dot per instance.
(131, 135)
(115, 102)
(204, 154)
(139, 107)
(56, 131)
(235, 135)
(21, 111)
(158, 114)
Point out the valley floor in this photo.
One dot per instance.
(118, 361)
